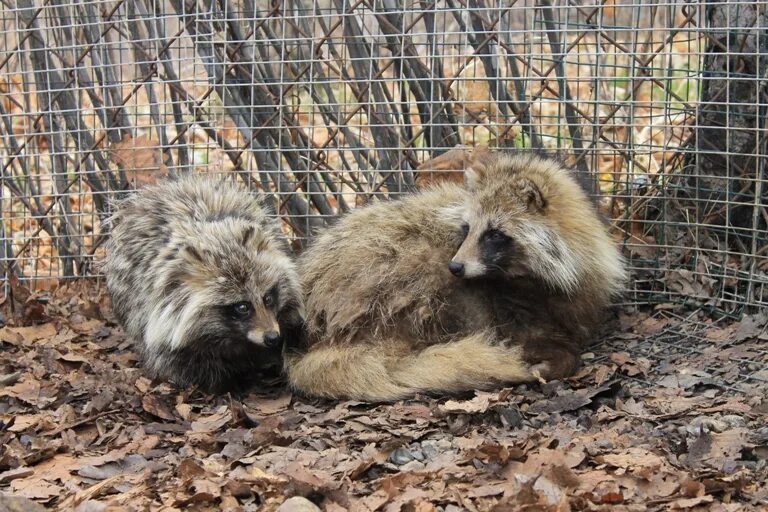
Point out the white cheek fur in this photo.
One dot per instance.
(256, 336)
(474, 269)
(550, 257)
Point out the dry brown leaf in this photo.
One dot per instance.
(672, 404)
(568, 401)
(652, 325)
(27, 389)
(690, 284)
(483, 491)
(450, 165)
(140, 158)
(128, 464)
(25, 422)
(38, 485)
(692, 489)
(602, 373)
(684, 378)
(27, 335)
(421, 505)
(732, 406)
(496, 453)
(483, 453)
(200, 491)
(374, 501)
(406, 497)
(630, 366)
(41, 491)
(19, 504)
(155, 406)
(86, 326)
(214, 422)
(478, 404)
(267, 406)
(96, 489)
(750, 326)
(544, 459)
(13, 474)
(686, 503)
(637, 461)
(719, 450)
(73, 358)
(551, 492)
(632, 407)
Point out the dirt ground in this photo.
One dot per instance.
(668, 413)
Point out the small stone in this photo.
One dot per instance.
(734, 421)
(401, 456)
(298, 504)
(413, 466)
(550, 389)
(604, 444)
(418, 454)
(702, 424)
(584, 421)
(10, 503)
(429, 449)
(760, 436)
(511, 417)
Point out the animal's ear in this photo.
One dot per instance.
(530, 194)
(474, 175)
(477, 167)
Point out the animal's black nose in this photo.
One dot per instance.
(272, 339)
(456, 268)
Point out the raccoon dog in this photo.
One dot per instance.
(202, 283)
(501, 279)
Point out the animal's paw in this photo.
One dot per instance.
(552, 363)
(539, 370)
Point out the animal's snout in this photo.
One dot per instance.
(456, 268)
(272, 339)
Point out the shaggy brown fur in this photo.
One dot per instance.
(387, 315)
(202, 282)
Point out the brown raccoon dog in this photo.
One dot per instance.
(202, 282)
(459, 287)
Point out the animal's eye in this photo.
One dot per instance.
(494, 235)
(242, 309)
(464, 230)
(270, 299)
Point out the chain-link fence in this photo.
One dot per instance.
(329, 104)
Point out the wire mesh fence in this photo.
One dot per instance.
(326, 105)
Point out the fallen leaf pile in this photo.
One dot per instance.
(668, 413)
(450, 165)
(140, 158)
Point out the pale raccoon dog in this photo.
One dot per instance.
(202, 282)
(457, 287)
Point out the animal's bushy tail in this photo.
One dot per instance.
(391, 372)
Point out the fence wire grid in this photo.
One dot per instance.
(326, 105)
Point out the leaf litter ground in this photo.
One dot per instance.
(667, 413)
